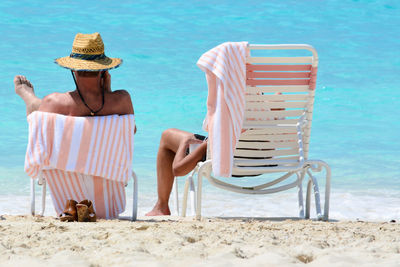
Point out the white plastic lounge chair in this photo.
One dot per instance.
(277, 122)
(82, 158)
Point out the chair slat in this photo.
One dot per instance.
(238, 171)
(268, 137)
(259, 162)
(304, 60)
(277, 82)
(252, 75)
(287, 158)
(265, 153)
(255, 124)
(273, 114)
(260, 170)
(267, 145)
(279, 158)
(273, 130)
(276, 97)
(269, 104)
(274, 89)
(252, 67)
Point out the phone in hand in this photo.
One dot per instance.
(193, 147)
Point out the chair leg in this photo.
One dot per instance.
(300, 193)
(176, 197)
(185, 196)
(327, 191)
(316, 166)
(308, 198)
(42, 182)
(192, 195)
(199, 185)
(135, 197)
(32, 197)
(317, 198)
(43, 197)
(189, 185)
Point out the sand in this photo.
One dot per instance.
(171, 241)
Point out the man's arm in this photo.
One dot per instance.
(55, 103)
(183, 163)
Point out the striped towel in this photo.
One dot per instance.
(225, 68)
(82, 158)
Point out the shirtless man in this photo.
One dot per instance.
(92, 97)
(90, 85)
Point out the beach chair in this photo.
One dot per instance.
(189, 191)
(75, 154)
(275, 139)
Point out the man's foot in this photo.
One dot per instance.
(23, 86)
(159, 210)
(24, 89)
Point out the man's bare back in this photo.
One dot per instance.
(117, 102)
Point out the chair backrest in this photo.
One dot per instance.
(279, 102)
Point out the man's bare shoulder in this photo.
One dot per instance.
(56, 103)
(121, 93)
(123, 100)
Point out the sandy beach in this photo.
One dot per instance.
(172, 241)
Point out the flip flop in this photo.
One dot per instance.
(86, 211)
(69, 214)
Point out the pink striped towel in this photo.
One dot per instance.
(225, 68)
(82, 158)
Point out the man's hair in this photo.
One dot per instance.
(88, 73)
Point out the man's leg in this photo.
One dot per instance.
(169, 144)
(24, 89)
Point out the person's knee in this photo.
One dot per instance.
(165, 136)
(168, 134)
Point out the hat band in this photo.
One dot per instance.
(87, 57)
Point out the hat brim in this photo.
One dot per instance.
(88, 65)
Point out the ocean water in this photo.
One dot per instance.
(355, 128)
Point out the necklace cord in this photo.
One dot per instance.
(92, 112)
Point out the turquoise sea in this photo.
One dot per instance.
(356, 126)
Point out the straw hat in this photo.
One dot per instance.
(88, 55)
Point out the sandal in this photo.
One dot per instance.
(69, 214)
(86, 211)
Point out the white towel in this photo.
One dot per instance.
(225, 68)
(82, 158)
